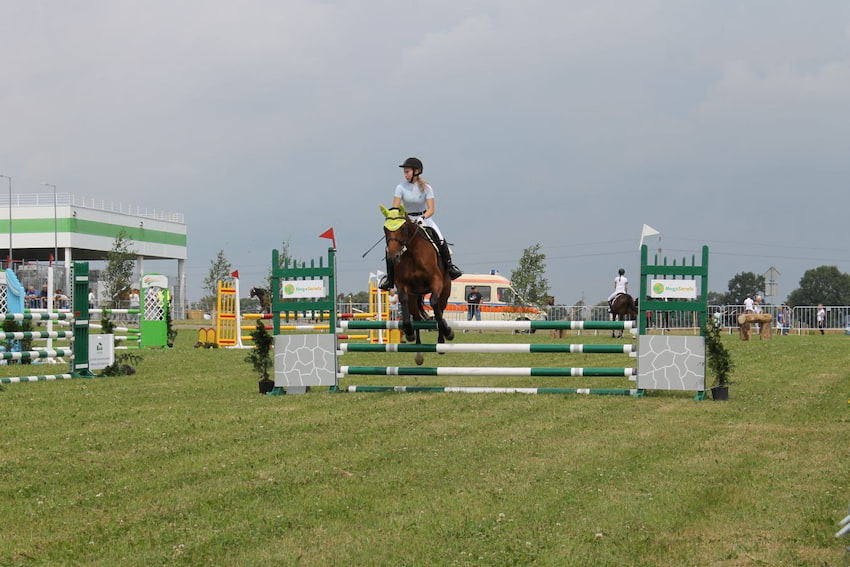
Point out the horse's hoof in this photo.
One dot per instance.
(450, 336)
(410, 338)
(420, 358)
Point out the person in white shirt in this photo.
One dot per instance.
(749, 305)
(418, 200)
(757, 304)
(621, 285)
(393, 299)
(821, 318)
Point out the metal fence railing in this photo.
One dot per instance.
(797, 320)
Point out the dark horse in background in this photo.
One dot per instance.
(264, 297)
(625, 307)
(418, 272)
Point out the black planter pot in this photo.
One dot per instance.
(266, 386)
(720, 393)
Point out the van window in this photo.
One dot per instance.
(484, 290)
(505, 294)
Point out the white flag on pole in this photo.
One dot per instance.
(646, 231)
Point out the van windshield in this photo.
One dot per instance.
(505, 294)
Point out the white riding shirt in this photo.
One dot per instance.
(415, 200)
(620, 283)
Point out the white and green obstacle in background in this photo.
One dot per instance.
(79, 319)
(663, 362)
(151, 317)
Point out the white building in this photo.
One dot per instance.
(32, 226)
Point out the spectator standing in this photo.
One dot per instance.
(473, 304)
(821, 318)
(134, 304)
(749, 305)
(392, 297)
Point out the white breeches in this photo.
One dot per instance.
(615, 294)
(430, 222)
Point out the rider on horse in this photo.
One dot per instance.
(621, 285)
(417, 197)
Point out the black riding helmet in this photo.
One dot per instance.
(413, 163)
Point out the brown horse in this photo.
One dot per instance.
(625, 307)
(418, 272)
(264, 297)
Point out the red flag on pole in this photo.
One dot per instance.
(235, 274)
(329, 233)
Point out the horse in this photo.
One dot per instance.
(264, 297)
(625, 307)
(418, 271)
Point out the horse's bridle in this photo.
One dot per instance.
(404, 242)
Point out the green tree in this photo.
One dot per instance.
(826, 285)
(716, 298)
(283, 257)
(359, 297)
(220, 270)
(528, 281)
(118, 274)
(742, 285)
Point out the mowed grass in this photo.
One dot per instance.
(184, 463)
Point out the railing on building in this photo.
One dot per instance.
(63, 199)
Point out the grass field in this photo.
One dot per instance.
(184, 463)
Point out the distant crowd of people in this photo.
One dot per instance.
(34, 299)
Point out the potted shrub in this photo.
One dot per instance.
(719, 361)
(260, 356)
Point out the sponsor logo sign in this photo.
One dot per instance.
(673, 289)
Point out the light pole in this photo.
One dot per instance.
(55, 225)
(10, 220)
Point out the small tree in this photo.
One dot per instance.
(528, 281)
(719, 361)
(220, 270)
(118, 274)
(283, 257)
(742, 285)
(260, 356)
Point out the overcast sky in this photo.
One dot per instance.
(564, 123)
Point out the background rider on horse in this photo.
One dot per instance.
(621, 285)
(417, 197)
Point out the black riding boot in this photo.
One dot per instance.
(389, 280)
(454, 271)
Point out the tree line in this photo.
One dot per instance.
(825, 285)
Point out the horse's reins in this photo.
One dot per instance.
(419, 232)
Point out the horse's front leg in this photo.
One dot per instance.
(406, 324)
(445, 332)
